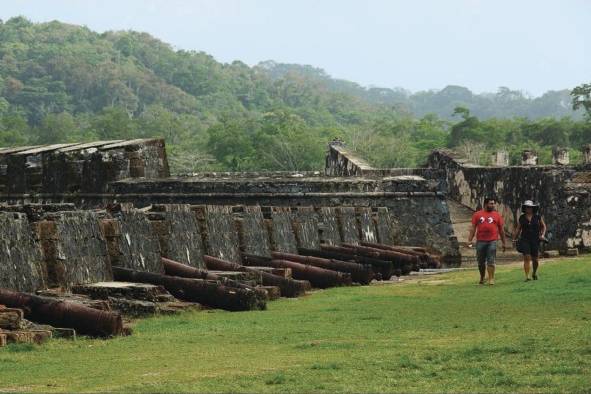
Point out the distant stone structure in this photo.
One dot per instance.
(564, 194)
(529, 158)
(340, 161)
(67, 172)
(500, 158)
(560, 156)
(587, 154)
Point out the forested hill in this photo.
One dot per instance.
(61, 82)
(504, 103)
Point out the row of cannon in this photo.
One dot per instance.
(328, 266)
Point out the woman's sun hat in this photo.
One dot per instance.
(529, 203)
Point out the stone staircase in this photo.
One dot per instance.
(461, 218)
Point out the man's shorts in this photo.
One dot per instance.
(529, 246)
(486, 252)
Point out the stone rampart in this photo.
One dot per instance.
(564, 194)
(68, 172)
(340, 161)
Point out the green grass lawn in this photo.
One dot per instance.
(437, 333)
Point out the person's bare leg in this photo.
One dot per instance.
(491, 274)
(536, 264)
(526, 265)
(482, 269)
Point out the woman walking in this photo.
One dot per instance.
(530, 230)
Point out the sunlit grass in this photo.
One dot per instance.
(438, 333)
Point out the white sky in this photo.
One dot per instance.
(530, 45)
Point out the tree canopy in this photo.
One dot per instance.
(63, 83)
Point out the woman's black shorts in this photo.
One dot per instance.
(530, 247)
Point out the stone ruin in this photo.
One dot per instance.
(71, 212)
(562, 190)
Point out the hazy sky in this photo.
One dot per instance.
(531, 45)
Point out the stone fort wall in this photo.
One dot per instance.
(57, 245)
(563, 192)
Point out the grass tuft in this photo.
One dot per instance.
(276, 379)
(21, 347)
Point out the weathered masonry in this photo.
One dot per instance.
(98, 174)
(70, 172)
(71, 212)
(563, 191)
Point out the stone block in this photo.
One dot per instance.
(239, 275)
(28, 336)
(560, 156)
(529, 158)
(220, 235)
(572, 252)
(348, 225)
(273, 292)
(79, 254)
(252, 231)
(367, 225)
(110, 227)
(282, 272)
(21, 262)
(138, 246)
(134, 308)
(179, 233)
(11, 318)
(305, 225)
(587, 154)
(136, 291)
(282, 234)
(500, 158)
(328, 226)
(551, 254)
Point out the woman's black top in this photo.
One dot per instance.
(530, 230)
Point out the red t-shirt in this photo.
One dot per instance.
(488, 225)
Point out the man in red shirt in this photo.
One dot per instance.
(488, 225)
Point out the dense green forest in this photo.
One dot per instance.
(61, 83)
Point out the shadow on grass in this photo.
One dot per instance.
(21, 347)
(325, 345)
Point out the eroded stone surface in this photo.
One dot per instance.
(21, 267)
(563, 192)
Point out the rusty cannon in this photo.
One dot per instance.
(360, 273)
(289, 287)
(205, 292)
(405, 262)
(386, 267)
(319, 277)
(425, 259)
(376, 264)
(59, 313)
(174, 268)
